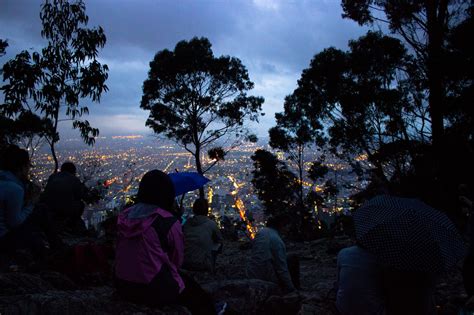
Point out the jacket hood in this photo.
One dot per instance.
(136, 219)
(198, 220)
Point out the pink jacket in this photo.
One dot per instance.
(148, 238)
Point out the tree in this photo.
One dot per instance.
(278, 189)
(293, 133)
(363, 98)
(62, 75)
(197, 99)
(3, 47)
(275, 184)
(424, 26)
(459, 65)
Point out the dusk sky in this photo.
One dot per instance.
(275, 40)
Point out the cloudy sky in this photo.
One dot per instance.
(275, 39)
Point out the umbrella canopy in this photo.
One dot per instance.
(408, 235)
(187, 181)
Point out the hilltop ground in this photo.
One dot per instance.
(49, 292)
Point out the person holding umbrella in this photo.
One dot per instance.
(402, 245)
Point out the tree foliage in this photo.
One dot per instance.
(3, 47)
(275, 184)
(278, 189)
(440, 79)
(365, 99)
(293, 133)
(458, 66)
(198, 99)
(56, 81)
(424, 26)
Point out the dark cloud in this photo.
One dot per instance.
(275, 39)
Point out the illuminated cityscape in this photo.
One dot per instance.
(115, 165)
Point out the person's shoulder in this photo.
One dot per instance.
(211, 222)
(355, 252)
(9, 186)
(349, 251)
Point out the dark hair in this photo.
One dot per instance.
(68, 167)
(200, 207)
(156, 188)
(14, 159)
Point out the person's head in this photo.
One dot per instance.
(68, 167)
(15, 160)
(279, 222)
(156, 188)
(200, 207)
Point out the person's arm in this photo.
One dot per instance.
(176, 242)
(15, 210)
(279, 261)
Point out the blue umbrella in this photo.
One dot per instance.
(187, 181)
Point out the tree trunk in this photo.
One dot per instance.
(435, 78)
(55, 158)
(55, 138)
(335, 195)
(300, 170)
(197, 157)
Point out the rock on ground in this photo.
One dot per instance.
(49, 292)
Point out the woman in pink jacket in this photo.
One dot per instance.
(150, 250)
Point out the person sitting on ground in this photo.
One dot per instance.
(359, 282)
(366, 287)
(64, 194)
(202, 239)
(21, 223)
(268, 260)
(150, 250)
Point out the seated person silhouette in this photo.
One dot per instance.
(202, 239)
(22, 223)
(268, 260)
(63, 195)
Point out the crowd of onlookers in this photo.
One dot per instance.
(153, 249)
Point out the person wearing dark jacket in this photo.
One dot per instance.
(268, 259)
(64, 194)
(202, 239)
(22, 221)
(15, 204)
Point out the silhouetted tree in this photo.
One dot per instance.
(362, 97)
(275, 184)
(197, 99)
(62, 75)
(3, 47)
(424, 25)
(277, 187)
(293, 134)
(458, 68)
(317, 171)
